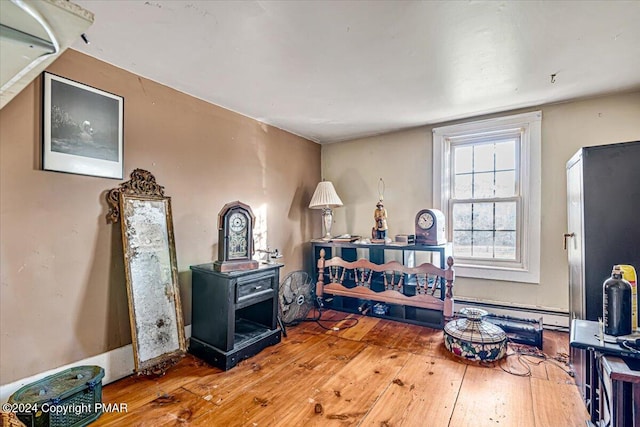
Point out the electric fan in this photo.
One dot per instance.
(296, 298)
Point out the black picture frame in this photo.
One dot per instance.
(82, 129)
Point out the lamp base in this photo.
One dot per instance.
(327, 219)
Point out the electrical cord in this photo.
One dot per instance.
(523, 353)
(318, 319)
(522, 363)
(630, 345)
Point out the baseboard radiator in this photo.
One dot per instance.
(551, 319)
(523, 325)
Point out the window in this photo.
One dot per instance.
(486, 178)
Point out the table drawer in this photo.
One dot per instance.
(255, 288)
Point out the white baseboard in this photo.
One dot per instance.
(550, 317)
(116, 363)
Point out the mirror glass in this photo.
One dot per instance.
(155, 311)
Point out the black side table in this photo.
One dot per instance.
(234, 314)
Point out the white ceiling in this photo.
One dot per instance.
(336, 70)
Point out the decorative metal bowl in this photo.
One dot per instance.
(473, 338)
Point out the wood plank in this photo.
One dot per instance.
(334, 315)
(311, 327)
(347, 396)
(394, 334)
(415, 333)
(555, 342)
(405, 334)
(361, 330)
(489, 397)
(395, 266)
(262, 403)
(556, 404)
(219, 386)
(384, 334)
(328, 319)
(556, 345)
(178, 407)
(302, 331)
(337, 324)
(389, 296)
(559, 372)
(136, 391)
(429, 342)
(426, 388)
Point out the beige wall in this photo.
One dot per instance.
(63, 295)
(403, 160)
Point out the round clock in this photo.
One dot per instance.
(429, 227)
(237, 222)
(425, 220)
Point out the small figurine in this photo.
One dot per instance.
(380, 216)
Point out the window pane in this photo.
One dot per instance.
(462, 216)
(462, 243)
(506, 215)
(505, 184)
(483, 158)
(482, 244)
(506, 155)
(505, 245)
(485, 230)
(462, 188)
(483, 185)
(463, 159)
(485, 170)
(483, 216)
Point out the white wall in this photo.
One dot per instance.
(403, 160)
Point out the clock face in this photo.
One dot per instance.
(237, 222)
(425, 221)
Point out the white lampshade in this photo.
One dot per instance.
(325, 196)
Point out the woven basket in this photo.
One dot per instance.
(9, 419)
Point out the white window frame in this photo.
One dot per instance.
(527, 269)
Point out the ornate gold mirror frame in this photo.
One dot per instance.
(155, 311)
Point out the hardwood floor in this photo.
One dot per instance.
(377, 373)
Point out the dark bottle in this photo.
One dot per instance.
(616, 304)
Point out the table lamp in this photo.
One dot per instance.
(325, 198)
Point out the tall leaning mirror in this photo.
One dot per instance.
(155, 311)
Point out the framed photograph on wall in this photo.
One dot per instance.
(82, 129)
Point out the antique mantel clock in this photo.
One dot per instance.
(235, 238)
(430, 227)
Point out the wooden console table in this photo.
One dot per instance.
(408, 307)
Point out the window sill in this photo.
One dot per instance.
(497, 273)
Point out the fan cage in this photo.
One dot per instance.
(296, 297)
